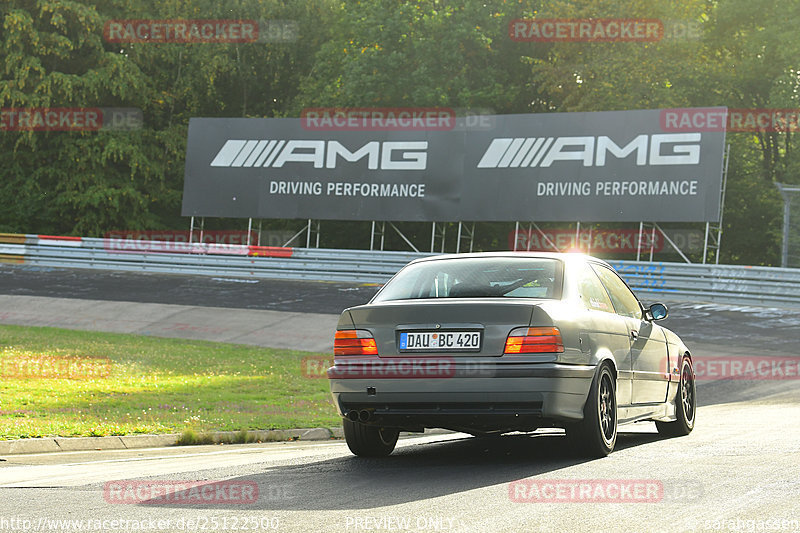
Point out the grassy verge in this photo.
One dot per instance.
(68, 383)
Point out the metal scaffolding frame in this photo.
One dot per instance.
(713, 237)
(311, 227)
(652, 227)
(465, 233)
(465, 236)
(642, 226)
(191, 229)
(379, 230)
(438, 233)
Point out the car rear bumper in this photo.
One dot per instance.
(498, 397)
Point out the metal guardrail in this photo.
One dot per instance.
(669, 281)
(203, 259)
(713, 283)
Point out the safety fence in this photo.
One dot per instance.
(670, 281)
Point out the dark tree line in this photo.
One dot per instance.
(363, 54)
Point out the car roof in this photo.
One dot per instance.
(561, 256)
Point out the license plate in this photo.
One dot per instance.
(441, 341)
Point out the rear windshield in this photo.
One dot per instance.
(496, 277)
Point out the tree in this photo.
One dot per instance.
(53, 54)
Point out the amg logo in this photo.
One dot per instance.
(544, 151)
(397, 155)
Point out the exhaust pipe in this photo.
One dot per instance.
(364, 415)
(352, 415)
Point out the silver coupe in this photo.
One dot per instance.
(492, 343)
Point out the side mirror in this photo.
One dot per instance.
(658, 311)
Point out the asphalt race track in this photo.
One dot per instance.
(278, 295)
(738, 471)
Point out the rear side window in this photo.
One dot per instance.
(625, 302)
(485, 277)
(592, 293)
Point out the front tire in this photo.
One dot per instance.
(369, 441)
(596, 434)
(686, 405)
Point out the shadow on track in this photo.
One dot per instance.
(416, 473)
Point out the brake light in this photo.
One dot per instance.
(354, 342)
(534, 340)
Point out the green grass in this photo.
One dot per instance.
(128, 384)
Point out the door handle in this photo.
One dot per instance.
(634, 335)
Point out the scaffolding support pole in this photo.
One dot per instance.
(402, 236)
(545, 237)
(378, 228)
(465, 232)
(639, 242)
(530, 233)
(671, 243)
(652, 242)
(722, 202)
(296, 235)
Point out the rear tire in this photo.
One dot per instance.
(596, 434)
(686, 405)
(369, 441)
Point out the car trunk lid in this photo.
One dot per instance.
(410, 327)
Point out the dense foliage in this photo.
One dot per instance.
(373, 53)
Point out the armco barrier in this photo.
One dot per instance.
(202, 258)
(668, 281)
(714, 283)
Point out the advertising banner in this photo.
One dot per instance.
(614, 166)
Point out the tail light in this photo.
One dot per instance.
(534, 340)
(354, 342)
